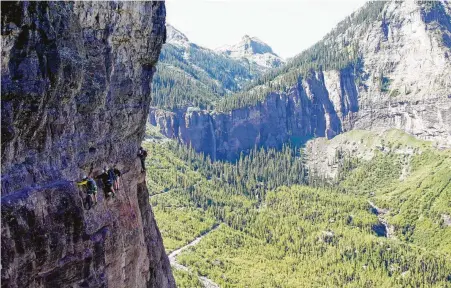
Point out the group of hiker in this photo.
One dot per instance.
(110, 178)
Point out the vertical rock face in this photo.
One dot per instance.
(303, 112)
(323, 105)
(402, 80)
(75, 97)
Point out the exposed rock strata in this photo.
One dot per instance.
(75, 94)
(307, 111)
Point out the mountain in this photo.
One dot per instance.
(190, 75)
(175, 37)
(255, 51)
(75, 98)
(385, 66)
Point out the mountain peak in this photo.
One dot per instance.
(248, 46)
(254, 49)
(174, 36)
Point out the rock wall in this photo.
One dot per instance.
(304, 112)
(324, 105)
(403, 80)
(75, 96)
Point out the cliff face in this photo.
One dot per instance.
(324, 105)
(75, 95)
(403, 80)
(304, 112)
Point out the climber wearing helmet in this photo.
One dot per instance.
(107, 182)
(91, 188)
(113, 177)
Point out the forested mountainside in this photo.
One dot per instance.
(190, 75)
(385, 66)
(75, 98)
(274, 219)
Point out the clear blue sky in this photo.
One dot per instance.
(287, 26)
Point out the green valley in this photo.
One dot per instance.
(302, 229)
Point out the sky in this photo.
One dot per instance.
(288, 26)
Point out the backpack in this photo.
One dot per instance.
(144, 153)
(91, 184)
(111, 176)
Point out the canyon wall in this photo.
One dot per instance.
(323, 106)
(297, 115)
(75, 98)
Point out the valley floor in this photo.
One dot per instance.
(288, 230)
(208, 283)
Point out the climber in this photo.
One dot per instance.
(142, 154)
(107, 182)
(91, 188)
(113, 177)
(118, 174)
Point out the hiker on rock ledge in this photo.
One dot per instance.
(108, 182)
(91, 188)
(117, 176)
(142, 154)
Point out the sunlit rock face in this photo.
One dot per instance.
(75, 98)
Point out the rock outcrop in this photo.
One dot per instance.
(403, 81)
(75, 97)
